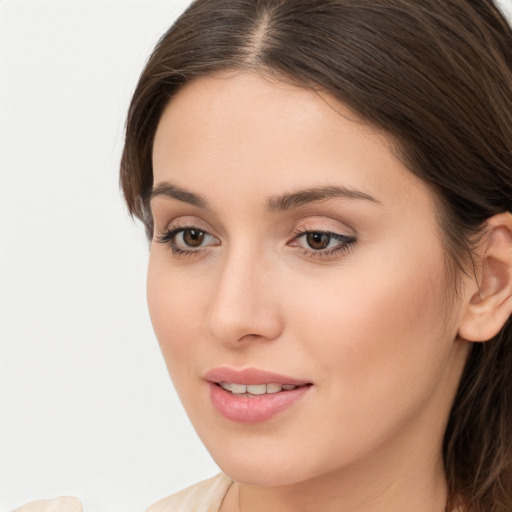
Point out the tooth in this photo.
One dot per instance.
(257, 389)
(226, 385)
(288, 387)
(273, 388)
(238, 388)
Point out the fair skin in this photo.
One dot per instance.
(360, 309)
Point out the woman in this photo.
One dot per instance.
(327, 186)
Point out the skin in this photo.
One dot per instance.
(372, 326)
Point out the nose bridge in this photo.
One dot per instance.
(243, 304)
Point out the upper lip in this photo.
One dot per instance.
(250, 376)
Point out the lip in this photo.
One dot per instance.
(250, 376)
(252, 409)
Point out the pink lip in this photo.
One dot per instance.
(252, 409)
(250, 376)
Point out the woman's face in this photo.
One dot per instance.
(292, 248)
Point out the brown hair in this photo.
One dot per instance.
(437, 76)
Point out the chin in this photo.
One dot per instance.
(262, 475)
(265, 464)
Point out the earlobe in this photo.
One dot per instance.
(490, 302)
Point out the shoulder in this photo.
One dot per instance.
(205, 496)
(61, 504)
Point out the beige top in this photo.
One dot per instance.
(206, 496)
(61, 504)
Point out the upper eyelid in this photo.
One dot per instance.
(169, 230)
(311, 223)
(297, 234)
(184, 222)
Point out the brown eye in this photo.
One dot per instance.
(318, 240)
(323, 244)
(187, 240)
(193, 237)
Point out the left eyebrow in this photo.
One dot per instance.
(292, 200)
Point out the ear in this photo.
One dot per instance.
(490, 292)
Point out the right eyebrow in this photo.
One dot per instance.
(174, 192)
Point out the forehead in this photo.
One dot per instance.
(239, 102)
(246, 130)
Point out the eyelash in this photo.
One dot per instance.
(167, 237)
(345, 242)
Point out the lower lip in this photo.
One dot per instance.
(253, 409)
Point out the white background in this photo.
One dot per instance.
(86, 406)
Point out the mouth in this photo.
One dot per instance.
(253, 390)
(251, 395)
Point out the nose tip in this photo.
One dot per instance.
(244, 307)
(234, 324)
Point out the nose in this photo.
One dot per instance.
(245, 302)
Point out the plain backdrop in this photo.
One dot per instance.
(86, 406)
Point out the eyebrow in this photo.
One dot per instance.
(278, 203)
(293, 200)
(169, 190)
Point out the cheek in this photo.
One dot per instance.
(377, 327)
(175, 310)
